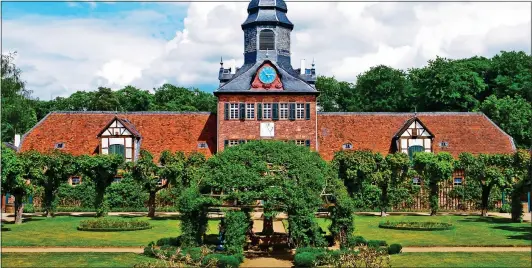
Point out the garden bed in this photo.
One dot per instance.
(416, 226)
(113, 225)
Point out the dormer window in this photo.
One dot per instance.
(267, 40)
(59, 145)
(414, 137)
(120, 137)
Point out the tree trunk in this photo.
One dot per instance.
(434, 199)
(19, 208)
(485, 199)
(100, 204)
(49, 203)
(151, 205)
(267, 227)
(384, 201)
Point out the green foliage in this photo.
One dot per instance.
(517, 207)
(376, 243)
(124, 194)
(113, 224)
(336, 96)
(364, 257)
(433, 168)
(513, 114)
(394, 249)
(359, 241)
(192, 206)
(305, 259)
(342, 213)
(222, 260)
(237, 224)
(506, 208)
(416, 226)
(81, 195)
(101, 169)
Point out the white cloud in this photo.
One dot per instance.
(60, 56)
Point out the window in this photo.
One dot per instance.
(300, 110)
(232, 142)
(283, 108)
(116, 149)
(250, 110)
(416, 181)
(202, 145)
(267, 40)
(308, 72)
(414, 149)
(59, 145)
(117, 179)
(347, 146)
(267, 111)
(75, 181)
(444, 144)
(233, 111)
(457, 181)
(300, 142)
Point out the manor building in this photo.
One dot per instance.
(266, 98)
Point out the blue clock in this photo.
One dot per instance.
(267, 75)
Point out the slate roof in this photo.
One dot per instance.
(464, 132)
(175, 131)
(241, 81)
(267, 12)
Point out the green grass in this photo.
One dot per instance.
(62, 231)
(468, 231)
(443, 259)
(92, 259)
(462, 259)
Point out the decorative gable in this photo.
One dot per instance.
(120, 137)
(276, 84)
(414, 137)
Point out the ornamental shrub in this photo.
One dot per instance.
(113, 224)
(506, 208)
(394, 249)
(376, 243)
(305, 259)
(236, 226)
(360, 241)
(125, 194)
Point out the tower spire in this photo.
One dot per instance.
(221, 62)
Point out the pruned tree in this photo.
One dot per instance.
(101, 169)
(433, 169)
(391, 174)
(14, 179)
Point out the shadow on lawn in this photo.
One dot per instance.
(523, 232)
(487, 220)
(28, 219)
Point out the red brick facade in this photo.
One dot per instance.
(249, 129)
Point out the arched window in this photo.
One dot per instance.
(267, 40)
(414, 149)
(117, 149)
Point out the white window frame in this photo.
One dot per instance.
(232, 142)
(283, 111)
(266, 111)
(72, 181)
(250, 110)
(300, 111)
(233, 111)
(458, 184)
(203, 145)
(299, 142)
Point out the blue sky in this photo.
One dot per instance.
(63, 47)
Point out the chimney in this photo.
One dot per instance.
(233, 66)
(302, 71)
(17, 140)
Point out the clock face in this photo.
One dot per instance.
(267, 75)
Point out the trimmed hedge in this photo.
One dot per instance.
(417, 226)
(394, 249)
(113, 225)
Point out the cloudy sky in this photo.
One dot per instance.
(64, 47)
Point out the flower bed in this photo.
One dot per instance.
(416, 226)
(113, 225)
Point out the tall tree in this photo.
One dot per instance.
(134, 99)
(488, 171)
(384, 89)
(513, 115)
(50, 171)
(445, 85)
(336, 96)
(18, 114)
(433, 169)
(171, 98)
(14, 174)
(105, 100)
(392, 174)
(511, 74)
(101, 169)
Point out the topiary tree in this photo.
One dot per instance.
(354, 168)
(433, 168)
(488, 171)
(392, 173)
(14, 173)
(101, 169)
(287, 177)
(342, 215)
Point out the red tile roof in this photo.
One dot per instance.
(464, 132)
(174, 131)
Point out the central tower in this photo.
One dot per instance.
(267, 98)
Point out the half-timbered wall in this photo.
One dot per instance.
(414, 135)
(116, 133)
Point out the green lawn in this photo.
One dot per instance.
(62, 231)
(92, 259)
(462, 259)
(457, 259)
(469, 231)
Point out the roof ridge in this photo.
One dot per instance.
(401, 113)
(126, 113)
(512, 142)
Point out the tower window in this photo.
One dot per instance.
(267, 40)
